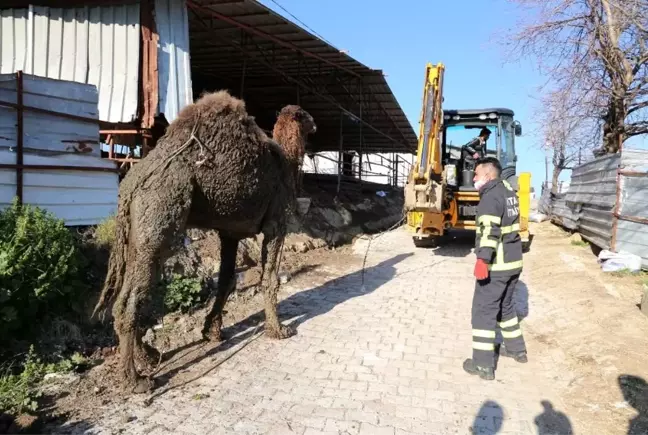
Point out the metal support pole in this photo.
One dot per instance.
(339, 183)
(361, 139)
(395, 159)
(579, 155)
(299, 63)
(243, 78)
(20, 137)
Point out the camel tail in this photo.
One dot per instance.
(116, 264)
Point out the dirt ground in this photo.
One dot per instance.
(604, 338)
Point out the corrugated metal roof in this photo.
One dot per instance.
(79, 198)
(242, 43)
(276, 55)
(94, 45)
(174, 68)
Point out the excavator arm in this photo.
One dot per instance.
(428, 156)
(424, 189)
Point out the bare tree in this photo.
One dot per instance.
(595, 52)
(564, 132)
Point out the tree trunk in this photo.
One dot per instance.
(554, 179)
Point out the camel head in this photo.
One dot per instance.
(298, 114)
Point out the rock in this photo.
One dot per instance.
(127, 419)
(284, 278)
(63, 378)
(576, 238)
(644, 301)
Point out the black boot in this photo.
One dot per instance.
(486, 373)
(520, 357)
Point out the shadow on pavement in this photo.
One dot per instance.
(489, 419)
(456, 243)
(635, 392)
(552, 422)
(301, 306)
(521, 299)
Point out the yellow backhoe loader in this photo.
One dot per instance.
(439, 195)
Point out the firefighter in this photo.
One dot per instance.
(499, 263)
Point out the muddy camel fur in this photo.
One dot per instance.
(213, 169)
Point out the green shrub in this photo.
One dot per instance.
(21, 389)
(19, 392)
(40, 269)
(182, 293)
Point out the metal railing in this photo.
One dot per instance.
(377, 170)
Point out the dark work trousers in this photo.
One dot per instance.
(493, 307)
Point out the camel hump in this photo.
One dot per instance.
(215, 103)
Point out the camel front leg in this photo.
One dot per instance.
(272, 245)
(226, 285)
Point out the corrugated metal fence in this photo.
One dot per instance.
(49, 149)
(93, 45)
(607, 202)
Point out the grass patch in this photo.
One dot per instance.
(628, 273)
(579, 243)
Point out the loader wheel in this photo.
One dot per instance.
(426, 242)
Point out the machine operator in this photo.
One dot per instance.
(475, 149)
(497, 270)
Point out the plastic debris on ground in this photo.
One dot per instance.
(538, 217)
(381, 193)
(619, 261)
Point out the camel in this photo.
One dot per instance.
(288, 133)
(214, 168)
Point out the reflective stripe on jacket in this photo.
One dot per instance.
(498, 240)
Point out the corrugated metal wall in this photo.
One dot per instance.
(174, 67)
(79, 198)
(633, 204)
(93, 45)
(590, 204)
(592, 197)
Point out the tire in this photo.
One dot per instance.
(426, 243)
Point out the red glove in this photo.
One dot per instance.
(481, 270)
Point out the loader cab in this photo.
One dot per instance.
(460, 126)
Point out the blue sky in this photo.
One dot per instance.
(401, 37)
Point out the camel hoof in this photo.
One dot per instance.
(143, 385)
(282, 333)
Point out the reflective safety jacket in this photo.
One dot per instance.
(498, 228)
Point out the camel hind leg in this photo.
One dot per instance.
(273, 238)
(153, 227)
(139, 281)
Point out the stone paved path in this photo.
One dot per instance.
(383, 358)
